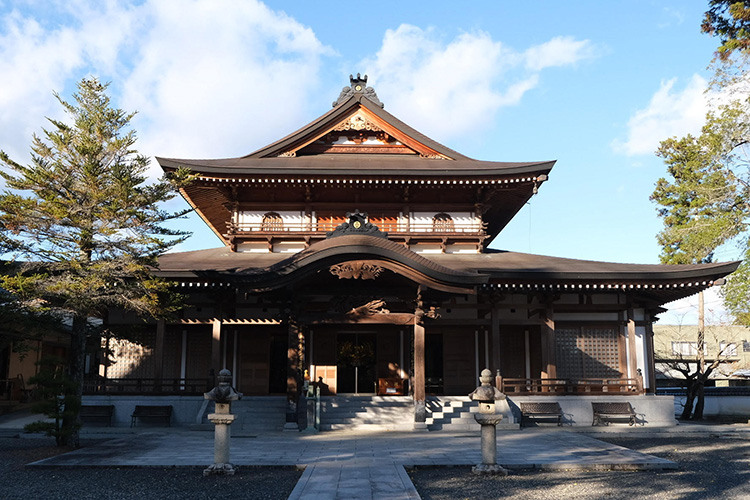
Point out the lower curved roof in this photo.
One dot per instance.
(661, 283)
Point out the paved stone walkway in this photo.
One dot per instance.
(359, 465)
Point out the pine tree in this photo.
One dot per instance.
(85, 226)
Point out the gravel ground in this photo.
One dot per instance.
(710, 467)
(20, 482)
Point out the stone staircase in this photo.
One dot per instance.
(263, 414)
(391, 413)
(456, 414)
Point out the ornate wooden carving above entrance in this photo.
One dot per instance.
(357, 224)
(356, 270)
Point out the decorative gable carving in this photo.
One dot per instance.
(356, 270)
(358, 121)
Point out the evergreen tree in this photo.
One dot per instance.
(85, 225)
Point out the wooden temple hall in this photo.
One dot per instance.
(356, 258)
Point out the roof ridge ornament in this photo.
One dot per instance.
(358, 86)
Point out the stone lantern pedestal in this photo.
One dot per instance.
(488, 419)
(222, 419)
(223, 395)
(489, 445)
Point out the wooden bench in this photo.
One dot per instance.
(607, 411)
(541, 410)
(152, 412)
(97, 412)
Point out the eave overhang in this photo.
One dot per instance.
(505, 272)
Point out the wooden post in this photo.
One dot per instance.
(292, 389)
(632, 355)
(549, 356)
(216, 364)
(496, 361)
(651, 361)
(158, 353)
(420, 415)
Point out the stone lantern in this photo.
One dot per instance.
(223, 395)
(486, 395)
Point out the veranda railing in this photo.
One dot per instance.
(148, 386)
(561, 386)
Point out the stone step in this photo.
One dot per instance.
(368, 427)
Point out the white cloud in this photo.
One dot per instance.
(208, 78)
(560, 51)
(450, 87)
(685, 311)
(222, 80)
(670, 113)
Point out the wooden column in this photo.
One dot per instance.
(292, 374)
(650, 361)
(549, 356)
(496, 360)
(632, 355)
(216, 364)
(159, 349)
(420, 415)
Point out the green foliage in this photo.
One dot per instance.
(704, 203)
(57, 400)
(730, 21)
(83, 223)
(82, 212)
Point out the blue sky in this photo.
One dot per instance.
(594, 85)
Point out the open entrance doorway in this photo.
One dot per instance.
(356, 359)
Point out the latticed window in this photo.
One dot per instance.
(272, 222)
(443, 223)
(588, 352)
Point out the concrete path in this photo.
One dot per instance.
(358, 465)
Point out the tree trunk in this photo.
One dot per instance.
(699, 400)
(689, 399)
(76, 367)
(700, 379)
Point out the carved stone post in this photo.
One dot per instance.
(223, 395)
(486, 394)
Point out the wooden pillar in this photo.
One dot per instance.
(632, 354)
(650, 361)
(549, 356)
(216, 364)
(292, 374)
(420, 415)
(159, 350)
(496, 360)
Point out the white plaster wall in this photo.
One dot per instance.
(184, 408)
(719, 406)
(463, 221)
(291, 218)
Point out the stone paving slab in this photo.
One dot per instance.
(343, 465)
(515, 450)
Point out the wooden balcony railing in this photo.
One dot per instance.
(322, 226)
(148, 386)
(560, 386)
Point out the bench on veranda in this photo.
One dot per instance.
(604, 412)
(542, 410)
(97, 413)
(152, 413)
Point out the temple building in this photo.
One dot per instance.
(356, 258)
